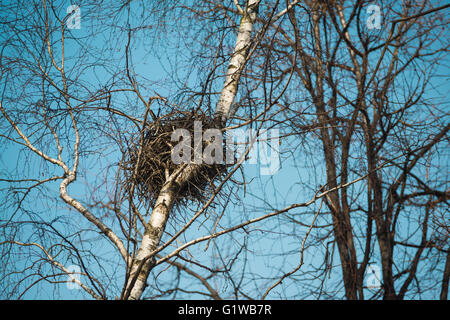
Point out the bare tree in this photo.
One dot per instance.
(91, 197)
(367, 94)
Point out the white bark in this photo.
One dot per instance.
(145, 260)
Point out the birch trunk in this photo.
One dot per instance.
(144, 261)
(237, 62)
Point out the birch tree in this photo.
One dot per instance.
(145, 258)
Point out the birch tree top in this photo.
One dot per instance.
(313, 137)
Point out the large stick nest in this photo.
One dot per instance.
(146, 171)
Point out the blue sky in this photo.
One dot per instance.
(156, 68)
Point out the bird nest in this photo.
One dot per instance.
(148, 160)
